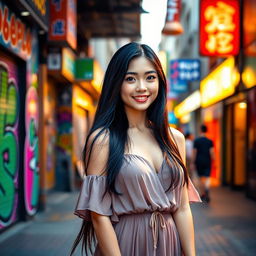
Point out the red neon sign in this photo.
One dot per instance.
(219, 27)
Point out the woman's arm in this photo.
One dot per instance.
(183, 217)
(106, 235)
(184, 222)
(103, 227)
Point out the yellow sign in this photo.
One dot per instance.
(219, 84)
(191, 103)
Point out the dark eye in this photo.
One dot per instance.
(129, 79)
(151, 77)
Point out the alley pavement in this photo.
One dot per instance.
(225, 226)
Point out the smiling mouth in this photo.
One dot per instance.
(141, 98)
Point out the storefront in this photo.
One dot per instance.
(19, 116)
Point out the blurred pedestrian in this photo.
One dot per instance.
(202, 157)
(189, 152)
(136, 194)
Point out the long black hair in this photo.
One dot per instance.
(111, 118)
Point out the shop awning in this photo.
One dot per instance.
(109, 18)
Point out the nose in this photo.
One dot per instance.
(141, 87)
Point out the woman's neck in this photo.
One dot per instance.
(136, 119)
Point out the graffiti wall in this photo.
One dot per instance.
(31, 166)
(19, 171)
(9, 141)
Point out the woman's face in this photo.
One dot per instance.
(140, 85)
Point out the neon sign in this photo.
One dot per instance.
(219, 27)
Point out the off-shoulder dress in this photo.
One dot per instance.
(142, 214)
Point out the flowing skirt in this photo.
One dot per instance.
(147, 234)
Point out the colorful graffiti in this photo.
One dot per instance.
(9, 106)
(31, 157)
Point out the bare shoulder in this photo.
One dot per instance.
(178, 136)
(99, 140)
(180, 141)
(98, 157)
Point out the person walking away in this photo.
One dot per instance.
(203, 155)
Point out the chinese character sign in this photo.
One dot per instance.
(182, 71)
(219, 27)
(63, 21)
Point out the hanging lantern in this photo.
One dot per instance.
(172, 23)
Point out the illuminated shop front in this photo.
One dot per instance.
(215, 88)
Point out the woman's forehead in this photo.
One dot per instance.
(140, 63)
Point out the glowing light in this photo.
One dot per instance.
(185, 119)
(25, 13)
(82, 103)
(219, 84)
(32, 107)
(188, 105)
(242, 105)
(249, 77)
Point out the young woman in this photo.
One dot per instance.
(135, 197)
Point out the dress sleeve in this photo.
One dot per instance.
(193, 195)
(93, 197)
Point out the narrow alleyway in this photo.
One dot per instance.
(225, 227)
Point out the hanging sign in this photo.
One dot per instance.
(219, 27)
(183, 71)
(84, 69)
(63, 22)
(172, 23)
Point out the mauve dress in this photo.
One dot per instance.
(142, 215)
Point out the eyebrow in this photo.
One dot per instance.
(135, 73)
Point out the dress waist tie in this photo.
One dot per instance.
(155, 218)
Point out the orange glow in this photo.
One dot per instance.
(32, 107)
(191, 103)
(82, 99)
(219, 84)
(98, 76)
(242, 105)
(249, 77)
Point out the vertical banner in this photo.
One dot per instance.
(172, 22)
(219, 27)
(63, 22)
